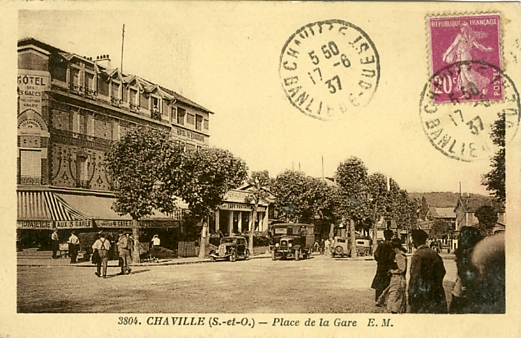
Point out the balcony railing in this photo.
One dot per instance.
(76, 89)
(156, 114)
(133, 107)
(29, 180)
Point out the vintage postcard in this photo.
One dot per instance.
(260, 169)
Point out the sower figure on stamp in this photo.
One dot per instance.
(102, 245)
(461, 51)
(124, 252)
(384, 256)
(426, 293)
(55, 243)
(74, 247)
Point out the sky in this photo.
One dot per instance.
(225, 56)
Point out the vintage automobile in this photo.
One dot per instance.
(291, 240)
(340, 247)
(230, 248)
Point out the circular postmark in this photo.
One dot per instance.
(461, 127)
(329, 68)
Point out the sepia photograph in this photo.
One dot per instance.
(261, 169)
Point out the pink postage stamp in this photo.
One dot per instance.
(465, 58)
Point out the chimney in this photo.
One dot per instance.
(103, 61)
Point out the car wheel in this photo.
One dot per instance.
(339, 251)
(233, 257)
(297, 255)
(247, 254)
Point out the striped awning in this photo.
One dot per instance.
(61, 210)
(45, 205)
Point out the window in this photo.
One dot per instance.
(89, 83)
(173, 117)
(198, 122)
(30, 167)
(206, 122)
(75, 79)
(181, 116)
(81, 172)
(133, 97)
(84, 124)
(190, 118)
(156, 106)
(115, 90)
(103, 87)
(165, 109)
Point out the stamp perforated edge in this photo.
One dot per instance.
(430, 72)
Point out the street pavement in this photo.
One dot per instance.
(321, 284)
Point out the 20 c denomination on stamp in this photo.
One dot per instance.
(461, 130)
(329, 68)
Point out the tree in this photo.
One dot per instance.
(351, 176)
(377, 188)
(259, 183)
(494, 180)
(207, 175)
(136, 165)
(487, 217)
(290, 188)
(440, 229)
(424, 209)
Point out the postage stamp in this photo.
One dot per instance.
(329, 68)
(468, 90)
(465, 41)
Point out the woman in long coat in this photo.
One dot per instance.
(394, 294)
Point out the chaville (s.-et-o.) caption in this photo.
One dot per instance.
(252, 322)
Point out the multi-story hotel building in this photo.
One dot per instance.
(70, 109)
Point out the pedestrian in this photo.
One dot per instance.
(156, 243)
(124, 253)
(384, 256)
(464, 290)
(74, 247)
(102, 245)
(327, 246)
(394, 295)
(55, 243)
(426, 293)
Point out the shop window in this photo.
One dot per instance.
(198, 122)
(181, 116)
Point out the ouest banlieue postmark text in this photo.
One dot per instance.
(467, 90)
(329, 68)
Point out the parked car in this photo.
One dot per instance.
(230, 248)
(340, 247)
(291, 240)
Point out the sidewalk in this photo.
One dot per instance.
(32, 257)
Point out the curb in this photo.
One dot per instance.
(160, 263)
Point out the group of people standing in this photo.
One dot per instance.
(479, 287)
(101, 249)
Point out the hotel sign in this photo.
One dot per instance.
(31, 86)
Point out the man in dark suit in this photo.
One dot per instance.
(426, 293)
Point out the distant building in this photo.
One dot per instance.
(467, 206)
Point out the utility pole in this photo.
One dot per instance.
(122, 45)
